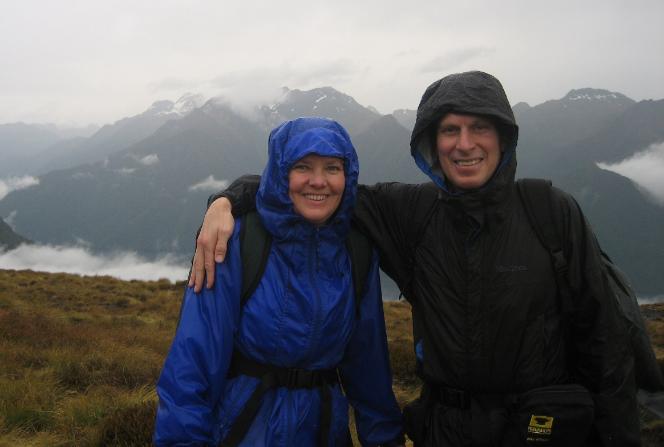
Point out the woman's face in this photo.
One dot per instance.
(316, 185)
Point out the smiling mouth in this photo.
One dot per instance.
(471, 162)
(315, 197)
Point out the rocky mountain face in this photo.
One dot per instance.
(8, 238)
(146, 178)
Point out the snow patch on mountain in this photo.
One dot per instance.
(188, 102)
(9, 220)
(182, 107)
(593, 94)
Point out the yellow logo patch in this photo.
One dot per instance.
(540, 425)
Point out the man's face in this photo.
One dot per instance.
(468, 149)
(316, 185)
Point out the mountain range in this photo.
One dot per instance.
(142, 182)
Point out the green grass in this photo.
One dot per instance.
(79, 358)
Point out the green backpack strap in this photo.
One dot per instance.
(255, 244)
(360, 250)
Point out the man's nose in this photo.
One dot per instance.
(465, 140)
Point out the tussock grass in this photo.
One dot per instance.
(79, 358)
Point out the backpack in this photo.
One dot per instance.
(255, 244)
(538, 200)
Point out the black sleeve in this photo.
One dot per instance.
(393, 215)
(604, 361)
(241, 193)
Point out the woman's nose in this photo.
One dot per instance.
(317, 178)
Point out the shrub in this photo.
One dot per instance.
(129, 426)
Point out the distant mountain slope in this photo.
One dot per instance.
(405, 117)
(117, 136)
(150, 195)
(8, 238)
(324, 101)
(145, 197)
(384, 154)
(20, 143)
(548, 131)
(638, 127)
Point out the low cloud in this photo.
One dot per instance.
(149, 160)
(645, 168)
(79, 260)
(15, 183)
(209, 184)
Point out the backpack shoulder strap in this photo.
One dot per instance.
(255, 244)
(537, 198)
(360, 250)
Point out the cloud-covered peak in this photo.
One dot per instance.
(161, 107)
(182, 107)
(188, 102)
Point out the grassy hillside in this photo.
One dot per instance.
(79, 357)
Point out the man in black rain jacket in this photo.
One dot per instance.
(501, 364)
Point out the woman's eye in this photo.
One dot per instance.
(300, 168)
(334, 169)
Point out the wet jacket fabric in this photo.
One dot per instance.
(482, 286)
(301, 315)
(485, 305)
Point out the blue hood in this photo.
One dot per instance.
(288, 143)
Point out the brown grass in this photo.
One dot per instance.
(79, 358)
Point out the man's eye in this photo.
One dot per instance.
(447, 130)
(482, 127)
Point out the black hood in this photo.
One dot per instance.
(473, 92)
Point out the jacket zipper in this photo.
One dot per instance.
(314, 267)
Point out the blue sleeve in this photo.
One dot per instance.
(194, 374)
(365, 371)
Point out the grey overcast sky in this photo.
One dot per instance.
(89, 61)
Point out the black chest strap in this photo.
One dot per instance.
(272, 377)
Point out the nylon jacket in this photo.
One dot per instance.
(301, 315)
(482, 287)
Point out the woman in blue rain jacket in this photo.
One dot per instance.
(301, 317)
